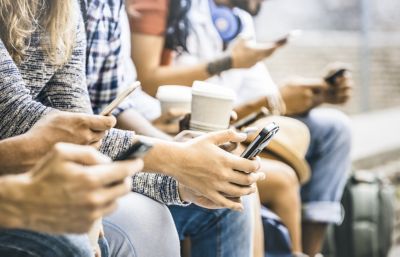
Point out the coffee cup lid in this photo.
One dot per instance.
(206, 89)
(170, 93)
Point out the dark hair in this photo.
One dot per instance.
(177, 25)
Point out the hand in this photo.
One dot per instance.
(169, 122)
(192, 196)
(246, 55)
(301, 95)
(215, 174)
(76, 128)
(67, 190)
(340, 92)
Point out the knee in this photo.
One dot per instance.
(141, 227)
(287, 178)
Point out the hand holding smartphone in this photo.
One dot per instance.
(120, 98)
(261, 141)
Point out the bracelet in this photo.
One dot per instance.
(220, 65)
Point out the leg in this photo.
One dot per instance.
(216, 233)
(329, 158)
(258, 235)
(280, 192)
(22, 243)
(141, 227)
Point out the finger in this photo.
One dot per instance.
(109, 194)
(100, 123)
(244, 179)
(109, 208)
(232, 190)
(85, 155)
(225, 202)
(229, 147)
(244, 165)
(221, 137)
(96, 136)
(115, 172)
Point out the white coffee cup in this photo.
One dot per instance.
(174, 97)
(212, 106)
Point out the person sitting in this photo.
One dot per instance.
(51, 193)
(104, 70)
(233, 62)
(29, 94)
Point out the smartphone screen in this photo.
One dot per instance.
(261, 141)
(121, 97)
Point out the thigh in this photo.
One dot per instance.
(21, 243)
(141, 227)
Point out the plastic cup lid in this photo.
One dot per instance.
(172, 93)
(206, 89)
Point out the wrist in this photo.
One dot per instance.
(223, 64)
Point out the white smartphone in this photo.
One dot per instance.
(121, 97)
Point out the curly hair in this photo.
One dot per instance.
(20, 18)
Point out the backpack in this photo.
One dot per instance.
(367, 228)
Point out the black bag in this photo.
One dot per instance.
(367, 228)
(276, 236)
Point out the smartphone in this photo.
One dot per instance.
(331, 79)
(138, 150)
(121, 97)
(261, 141)
(289, 36)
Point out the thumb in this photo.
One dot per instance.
(222, 137)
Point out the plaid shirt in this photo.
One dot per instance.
(104, 67)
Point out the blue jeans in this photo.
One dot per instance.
(216, 233)
(329, 158)
(22, 243)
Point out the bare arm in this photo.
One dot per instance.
(146, 54)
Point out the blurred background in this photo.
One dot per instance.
(366, 35)
(363, 33)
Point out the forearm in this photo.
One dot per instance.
(168, 75)
(132, 120)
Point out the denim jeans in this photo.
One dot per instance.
(22, 243)
(216, 233)
(329, 158)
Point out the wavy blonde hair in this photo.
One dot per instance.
(57, 18)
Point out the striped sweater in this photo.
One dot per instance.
(33, 88)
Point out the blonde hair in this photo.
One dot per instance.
(55, 18)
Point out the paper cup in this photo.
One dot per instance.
(211, 107)
(174, 97)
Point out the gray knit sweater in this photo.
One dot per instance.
(33, 88)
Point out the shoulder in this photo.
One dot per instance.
(151, 16)
(247, 23)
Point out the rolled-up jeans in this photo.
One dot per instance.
(23, 243)
(329, 159)
(216, 233)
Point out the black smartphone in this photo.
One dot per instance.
(137, 150)
(261, 141)
(331, 79)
